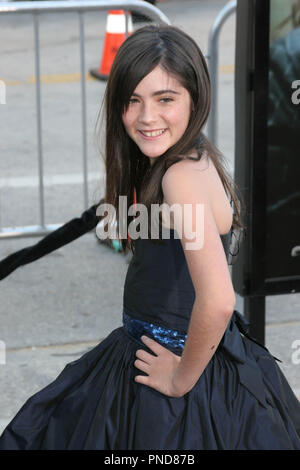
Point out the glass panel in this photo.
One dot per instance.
(283, 159)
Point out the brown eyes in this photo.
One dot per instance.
(166, 100)
(133, 100)
(162, 100)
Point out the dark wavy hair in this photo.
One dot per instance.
(126, 166)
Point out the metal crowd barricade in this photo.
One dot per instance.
(213, 62)
(37, 8)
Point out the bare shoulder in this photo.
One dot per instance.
(191, 169)
(203, 177)
(189, 165)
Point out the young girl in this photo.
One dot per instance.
(181, 373)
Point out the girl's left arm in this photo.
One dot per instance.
(206, 329)
(214, 294)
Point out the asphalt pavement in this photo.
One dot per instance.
(57, 308)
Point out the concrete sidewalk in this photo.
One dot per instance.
(55, 309)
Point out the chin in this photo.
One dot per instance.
(153, 154)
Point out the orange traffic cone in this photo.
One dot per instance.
(134, 202)
(115, 36)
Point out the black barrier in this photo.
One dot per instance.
(65, 234)
(267, 164)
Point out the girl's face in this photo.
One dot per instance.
(158, 113)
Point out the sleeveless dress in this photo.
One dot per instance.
(241, 401)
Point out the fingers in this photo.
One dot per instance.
(153, 345)
(142, 379)
(142, 366)
(144, 355)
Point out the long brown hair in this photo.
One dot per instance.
(126, 166)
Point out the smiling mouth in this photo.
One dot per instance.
(154, 133)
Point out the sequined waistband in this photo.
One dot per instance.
(165, 336)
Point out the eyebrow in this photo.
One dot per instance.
(159, 92)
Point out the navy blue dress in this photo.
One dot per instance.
(241, 401)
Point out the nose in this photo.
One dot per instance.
(147, 114)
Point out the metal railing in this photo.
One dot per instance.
(81, 7)
(213, 62)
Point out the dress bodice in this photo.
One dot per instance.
(158, 286)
